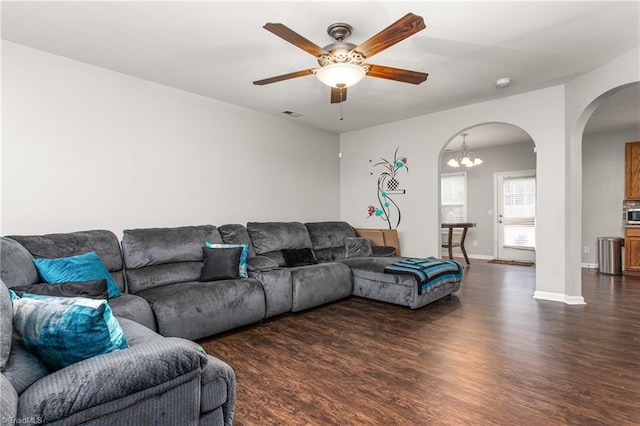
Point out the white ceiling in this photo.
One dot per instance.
(216, 49)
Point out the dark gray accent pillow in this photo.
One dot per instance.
(220, 263)
(261, 264)
(299, 257)
(383, 251)
(357, 247)
(95, 289)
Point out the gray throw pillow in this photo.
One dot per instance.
(357, 247)
(220, 263)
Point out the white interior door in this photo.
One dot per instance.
(516, 215)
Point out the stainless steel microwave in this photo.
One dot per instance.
(633, 216)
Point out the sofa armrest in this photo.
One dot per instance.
(8, 401)
(383, 251)
(154, 366)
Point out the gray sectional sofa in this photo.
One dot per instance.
(163, 377)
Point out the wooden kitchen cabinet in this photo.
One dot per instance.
(632, 251)
(632, 171)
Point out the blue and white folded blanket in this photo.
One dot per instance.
(428, 272)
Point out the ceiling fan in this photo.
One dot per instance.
(342, 63)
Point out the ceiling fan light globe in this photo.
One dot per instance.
(466, 162)
(453, 163)
(340, 75)
(477, 161)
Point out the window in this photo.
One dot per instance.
(453, 197)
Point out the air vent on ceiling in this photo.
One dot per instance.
(292, 114)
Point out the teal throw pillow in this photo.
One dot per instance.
(243, 256)
(62, 331)
(84, 267)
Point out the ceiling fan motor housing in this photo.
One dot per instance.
(340, 51)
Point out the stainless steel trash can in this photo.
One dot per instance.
(610, 255)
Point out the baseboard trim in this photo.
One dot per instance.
(445, 254)
(559, 297)
(590, 265)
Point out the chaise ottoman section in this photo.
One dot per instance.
(370, 281)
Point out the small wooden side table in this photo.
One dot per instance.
(450, 244)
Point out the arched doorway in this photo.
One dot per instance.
(577, 241)
(477, 194)
(614, 122)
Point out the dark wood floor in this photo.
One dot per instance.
(491, 355)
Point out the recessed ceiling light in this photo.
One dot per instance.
(503, 82)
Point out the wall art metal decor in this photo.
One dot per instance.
(388, 186)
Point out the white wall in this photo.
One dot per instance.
(583, 96)
(553, 117)
(422, 139)
(86, 148)
(603, 166)
(480, 190)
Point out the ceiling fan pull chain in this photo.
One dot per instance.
(341, 117)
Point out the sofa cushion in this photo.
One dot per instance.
(79, 268)
(236, 234)
(299, 257)
(243, 256)
(6, 324)
(220, 263)
(16, 264)
(23, 368)
(52, 246)
(62, 331)
(330, 254)
(8, 401)
(275, 236)
(357, 247)
(135, 308)
(315, 285)
(96, 289)
(261, 264)
(326, 235)
(159, 256)
(157, 246)
(194, 310)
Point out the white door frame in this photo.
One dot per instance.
(496, 201)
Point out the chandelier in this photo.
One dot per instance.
(464, 158)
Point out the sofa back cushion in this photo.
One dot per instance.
(54, 246)
(160, 256)
(270, 238)
(236, 234)
(328, 239)
(16, 264)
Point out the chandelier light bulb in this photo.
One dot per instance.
(464, 158)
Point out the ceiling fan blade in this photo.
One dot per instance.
(283, 77)
(404, 27)
(294, 38)
(338, 95)
(397, 74)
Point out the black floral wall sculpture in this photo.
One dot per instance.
(388, 186)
